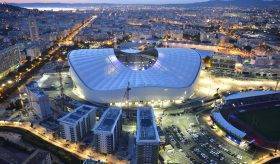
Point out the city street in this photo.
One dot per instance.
(19, 79)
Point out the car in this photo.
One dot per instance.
(212, 140)
(196, 150)
(204, 156)
(239, 157)
(212, 161)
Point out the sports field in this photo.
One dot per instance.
(266, 122)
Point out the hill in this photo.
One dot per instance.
(236, 3)
(8, 7)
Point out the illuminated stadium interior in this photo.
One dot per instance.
(137, 60)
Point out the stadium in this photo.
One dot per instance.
(112, 75)
(251, 116)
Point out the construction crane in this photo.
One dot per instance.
(277, 83)
(61, 88)
(126, 94)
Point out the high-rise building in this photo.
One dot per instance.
(33, 29)
(107, 131)
(11, 56)
(38, 100)
(147, 138)
(75, 125)
(33, 53)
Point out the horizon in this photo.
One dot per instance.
(127, 2)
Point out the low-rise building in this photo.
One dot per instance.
(11, 56)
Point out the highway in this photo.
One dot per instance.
(74, 148)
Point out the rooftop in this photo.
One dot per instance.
(131, 50)
(226, 125)
(109, 119)
(76, 115)
(240, 95)
(146, 127)
(204, 53)
(34, 87)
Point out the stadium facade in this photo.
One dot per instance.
(111, 75)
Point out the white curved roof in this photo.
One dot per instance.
(99, 69)
(225, 124)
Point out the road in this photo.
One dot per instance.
(266, 158)
(218, 49)
(69, 39)
(87, 153)
(208, 84)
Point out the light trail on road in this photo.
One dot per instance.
(218, 49)
(18, 78)
(208, 84)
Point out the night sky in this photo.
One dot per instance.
(105, 1)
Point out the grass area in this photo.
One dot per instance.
(266, 122)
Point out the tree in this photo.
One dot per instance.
(207, 62)
(248, 48)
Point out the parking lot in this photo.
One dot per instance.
(193, 142)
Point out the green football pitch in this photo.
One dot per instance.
(266, 122)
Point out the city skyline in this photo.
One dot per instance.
(140, 83)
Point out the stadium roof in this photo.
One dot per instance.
(108, 120)
(146, 127)
(227, 126)
(131, 50)
(204, 53)
(240, 95)
(100, 69)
